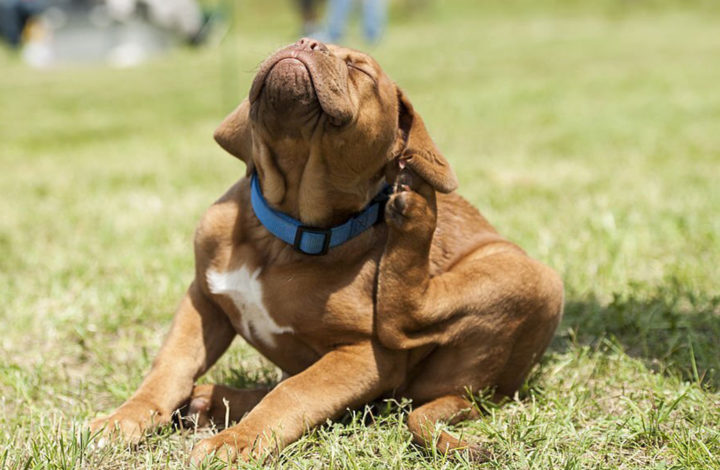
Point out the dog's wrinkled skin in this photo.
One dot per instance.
(428, 305)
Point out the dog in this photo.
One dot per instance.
(346, 258)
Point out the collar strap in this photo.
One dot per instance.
(314, 240)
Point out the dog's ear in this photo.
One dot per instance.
(419, 151)
(235, 136)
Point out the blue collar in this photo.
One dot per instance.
(314, 240)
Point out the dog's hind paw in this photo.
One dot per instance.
(411, 208)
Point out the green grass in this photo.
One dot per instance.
(588, 132)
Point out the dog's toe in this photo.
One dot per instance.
(199, 409)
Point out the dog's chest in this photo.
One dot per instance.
(244, 288)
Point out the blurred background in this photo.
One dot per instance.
(587, 131)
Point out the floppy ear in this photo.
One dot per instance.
(235, 136)
(419, 151)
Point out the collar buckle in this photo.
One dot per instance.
(326, 233)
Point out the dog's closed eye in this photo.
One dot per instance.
(352, 66)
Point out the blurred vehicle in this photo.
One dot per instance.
(118, 32)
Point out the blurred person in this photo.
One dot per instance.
(374, 18)
(14, 17)
(309, 14)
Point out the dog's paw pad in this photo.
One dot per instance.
(199, 405)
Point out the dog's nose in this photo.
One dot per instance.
(308, 44)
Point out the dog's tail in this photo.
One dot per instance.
(450, 409)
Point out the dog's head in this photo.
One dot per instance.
(323, 126)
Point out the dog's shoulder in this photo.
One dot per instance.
(221, 225)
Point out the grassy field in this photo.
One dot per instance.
(588, 132)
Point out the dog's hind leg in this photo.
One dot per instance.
(221, 405)
(449, 409)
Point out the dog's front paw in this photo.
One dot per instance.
(129, 423)
(411, 208)
(228, 446)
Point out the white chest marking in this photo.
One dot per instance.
(245, 290)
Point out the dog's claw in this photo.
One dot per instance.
(404, 181)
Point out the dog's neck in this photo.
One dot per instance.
(297, 180)
(314, 240)
(317, 203)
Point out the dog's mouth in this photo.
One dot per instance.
(297, 80)
(288, 86)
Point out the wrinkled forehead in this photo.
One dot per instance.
(346, 53)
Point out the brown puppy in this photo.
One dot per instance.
(428, 305)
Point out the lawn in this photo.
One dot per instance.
(586, 131)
